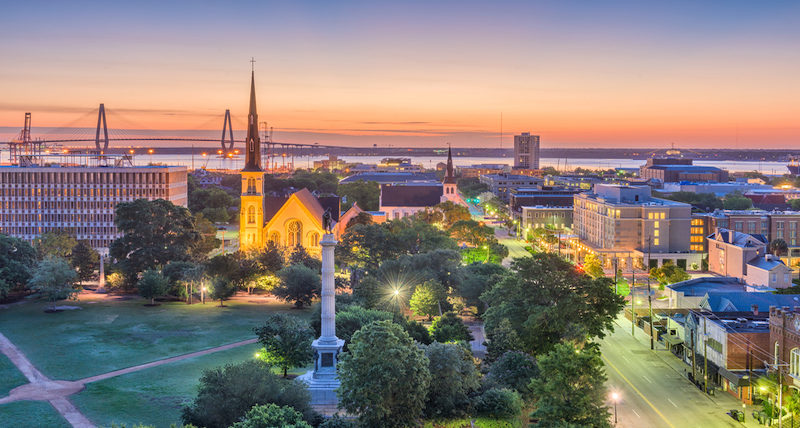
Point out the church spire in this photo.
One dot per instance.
(253, 143)
(448, 177)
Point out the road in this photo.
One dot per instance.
(653, 388)
(516, 248)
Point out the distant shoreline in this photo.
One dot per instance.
(755, 155)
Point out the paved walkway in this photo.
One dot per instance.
(56, 392)
(478, 344)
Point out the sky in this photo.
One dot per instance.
(710, 74)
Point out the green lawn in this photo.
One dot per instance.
(109, 335)
(623, 289)
(10, 377)
(154, 396)
(31, 414)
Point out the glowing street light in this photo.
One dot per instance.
(203, 294)
(615, 399)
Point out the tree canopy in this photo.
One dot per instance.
(286, 341)
(55, 279)
(299, 284)
(454, 378)
(272, 416)
(17, 260)
(56, 243)
(546, 300)
(365, 193)
(384, 376)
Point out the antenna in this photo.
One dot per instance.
(501, 130)
(252, 64)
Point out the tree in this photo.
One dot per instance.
(152, 284)
(154, 233)
(735, 201)
(592, 266)
(271, 416)
(454, 378)
(413, 236)
(450, 328)
(299, 284)
(476, 279)
(85, 259)
(354, 317)
(365, 193)
(360, 218)
(55, 279)
(300, 256)
(213, 203)
(514, 370)
(17, 259)
(546, 300)
(208, 238)
(424, 301)
(384, 376)
(778, 247)
(417, 331)
(472, 232)
(286, 341)
(502, 339)
(794, 204)
(182, 276)
(471, 187)
(668, 273)
(453, 213)
(225, 394)
(57, 243)
(570, 390)
(222, 289)
(270, 258)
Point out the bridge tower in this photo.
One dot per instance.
(101, 115)
(226, 126)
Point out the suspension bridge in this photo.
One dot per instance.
(27, 149)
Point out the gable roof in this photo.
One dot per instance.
(304, 198)
(411, 195)
(767, 263)
(744, 301)
(739, 239)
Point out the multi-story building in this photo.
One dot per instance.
(526, 151)
(80, 199)
(542, 195)
(502, 184)
(784, 342)
(475, 171)
(554, 217)
(680, 169)
(735, 344)
(627, 223)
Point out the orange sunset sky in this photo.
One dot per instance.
(581, 74)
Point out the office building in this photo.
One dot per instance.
(526, 151)
(502, 184)
(80, 200)
(680, 169)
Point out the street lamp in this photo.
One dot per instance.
(486, 247)
(615, 399)
(203, 294)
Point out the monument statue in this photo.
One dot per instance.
(327, 221)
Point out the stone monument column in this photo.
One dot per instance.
(102, 281)
(322, 382)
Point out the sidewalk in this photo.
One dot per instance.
(722, 399)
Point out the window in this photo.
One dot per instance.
(794, 365)
(656, 224)
(656, 232)
(251, 215)
(313, 239)
(294, 234)
(275, 237)
(656, 241)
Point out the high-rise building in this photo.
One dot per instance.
(526, 151)
(80, 200)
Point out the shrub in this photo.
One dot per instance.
(337, 422)
(272, 416)
(450, 328)
(514, 370)
(499, 403)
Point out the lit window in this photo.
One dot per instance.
(650, 216)
(656, 225)
(655, 241)
(655, 232)
(794, 366)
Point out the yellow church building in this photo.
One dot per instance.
(289, 221)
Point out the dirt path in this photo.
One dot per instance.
(56, 392)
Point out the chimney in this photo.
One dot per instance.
(755, 309)
(731, 235)
(716, 234)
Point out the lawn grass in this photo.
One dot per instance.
(153, 396)
(31, 414)
(112, 334)
(623, 289)
(10, 377)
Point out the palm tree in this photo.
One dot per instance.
(778, 247)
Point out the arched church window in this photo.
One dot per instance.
(294, 234)
(251, 215)
(251, 185)
(275, 237)
(313, 239)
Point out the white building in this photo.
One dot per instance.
(80, 199)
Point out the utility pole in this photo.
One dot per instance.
(650, 297)
(633, 297)
(694, 353)
(616, 288)
(705, 354)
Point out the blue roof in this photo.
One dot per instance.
(766, 264)
(692, 168)
(701, 286)
(740, 301)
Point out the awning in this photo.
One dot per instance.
(673, 340)
(737, 378)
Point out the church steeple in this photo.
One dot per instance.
(448, 177)
(253, 143)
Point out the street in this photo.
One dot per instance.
(654, 390)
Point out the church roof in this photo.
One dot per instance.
(252, 142)
(411, 195)
(448, 177)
